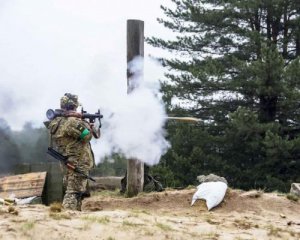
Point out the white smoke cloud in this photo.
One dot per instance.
(135, 122)
(52, 47)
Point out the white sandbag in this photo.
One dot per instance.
(25, 200)
(212, 192)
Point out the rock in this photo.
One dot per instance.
(211, 178)
(295, 189)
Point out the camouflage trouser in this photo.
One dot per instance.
(75, 187)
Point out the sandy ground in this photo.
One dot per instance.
(166, 215)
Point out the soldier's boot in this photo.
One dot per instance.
(79, 204)
(71, 201)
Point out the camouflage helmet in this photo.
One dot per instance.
(69, 101)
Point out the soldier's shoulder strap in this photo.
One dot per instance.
(54, 127)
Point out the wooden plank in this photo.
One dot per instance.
(23, 185)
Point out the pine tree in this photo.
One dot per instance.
(9, 152)
(238, 67)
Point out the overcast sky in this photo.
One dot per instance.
(51, 47)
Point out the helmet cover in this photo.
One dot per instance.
(69, 101)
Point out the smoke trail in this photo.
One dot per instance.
(135, 124)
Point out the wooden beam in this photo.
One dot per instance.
(135, 48)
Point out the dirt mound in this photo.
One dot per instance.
(160, 200)
(180, 200)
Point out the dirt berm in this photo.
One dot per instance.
(165, 215)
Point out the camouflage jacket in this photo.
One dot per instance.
(71, 137)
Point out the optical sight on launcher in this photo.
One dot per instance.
(51, 114)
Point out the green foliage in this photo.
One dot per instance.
(238, 70)
(32, 143)
(114, 165)
(259, 152)
(9, 152)
(26, 146)
(190, 155)
(292, 197)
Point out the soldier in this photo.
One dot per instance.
(70, 135)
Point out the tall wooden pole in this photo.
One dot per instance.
(135, 48)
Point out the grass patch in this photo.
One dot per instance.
(292, 197)
(13, 210)
(190, 187)
(101, 220)
(213, 221)
(210, 236)
(274, 231)
(282, 233)
(86, 227)
(243, 224)
(164, 227)
(27, 226)
(131, 224)
(142, 194)
(133, 215)
(148, 232)
(145, 212)
(208, 216)
(258, 193)
(59, 216)
(55, 207)
(138, 211)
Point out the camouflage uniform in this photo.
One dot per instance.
(71, 137)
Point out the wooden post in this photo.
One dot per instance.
(135, 48)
